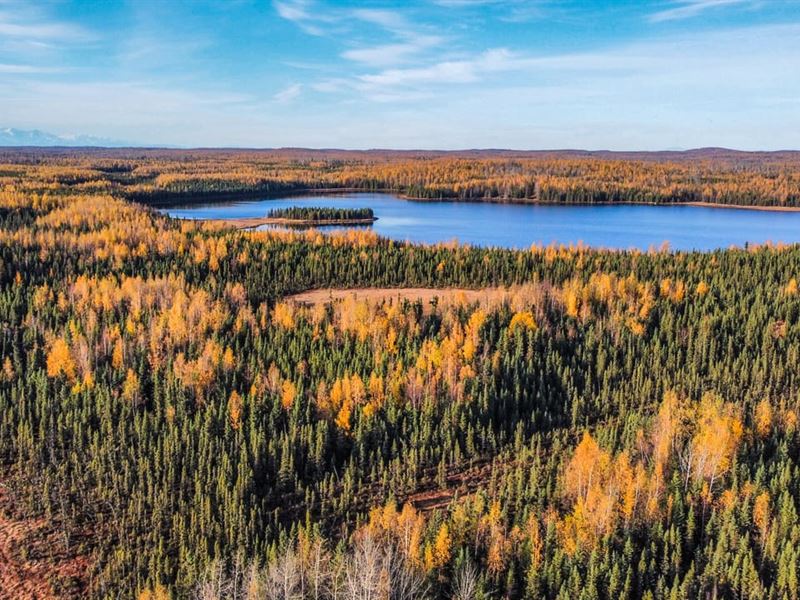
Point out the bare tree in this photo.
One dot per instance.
(337, 577)
(282, 577)
(365, 576)
(465, 582)
(216, 585)
(404, 582)
(317, 572)
(370, 571)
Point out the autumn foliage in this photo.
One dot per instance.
(553, 422)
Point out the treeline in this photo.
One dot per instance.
(611, 425)
(751, 179)
(545, 180)
(317, 213)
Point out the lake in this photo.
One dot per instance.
(519, 225)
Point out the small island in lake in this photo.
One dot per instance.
(316, 215)
(307, 216)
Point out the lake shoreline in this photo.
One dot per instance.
(498, 200)
(740, 206)
(512, 225)
(531, 202)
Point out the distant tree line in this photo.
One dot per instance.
(748, 179)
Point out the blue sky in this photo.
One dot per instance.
(527, 74)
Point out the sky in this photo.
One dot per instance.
(423, 74)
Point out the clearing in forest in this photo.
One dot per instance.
(484, 296)
(34, 565)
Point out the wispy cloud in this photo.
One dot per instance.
(411, 44)
(49, 31)
(332, 85)
(26, 69)
(289, 93)
(526, 12)
(684, 61)
(466, 3)
(454, 71)
(22, 21)
(391, 20)
(410, 39)
(685, 9)
(303, 14)
(510, 11)
(389, 54)
(417, 83)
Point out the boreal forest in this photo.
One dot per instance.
(556, 422)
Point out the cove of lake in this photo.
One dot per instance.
(520, 225)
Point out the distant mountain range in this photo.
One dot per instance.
(10, 136)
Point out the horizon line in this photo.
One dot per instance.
(171, 147)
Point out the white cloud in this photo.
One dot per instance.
(685, 70)
(455, 71)
(20, 21)
(289, 93)
(332, 85)
(411, 84)
(302, 14)
(294, 10)
(26, 69)
(685, 9)
(409, 42)
(510, 11)
(41, 30)
(390, 54)
(466, 3)
(388, 19)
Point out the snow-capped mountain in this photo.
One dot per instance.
(10, 136)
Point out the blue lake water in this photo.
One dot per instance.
(519, 226)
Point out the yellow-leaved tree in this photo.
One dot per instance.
(59, 360)
(522, 320)
(130, 387)
(288, 393)
(438, 555)
(235, 409)
(712, 449)
(761, 513)
(763, 418)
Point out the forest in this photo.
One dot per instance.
(170, 176)
(598, 425)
